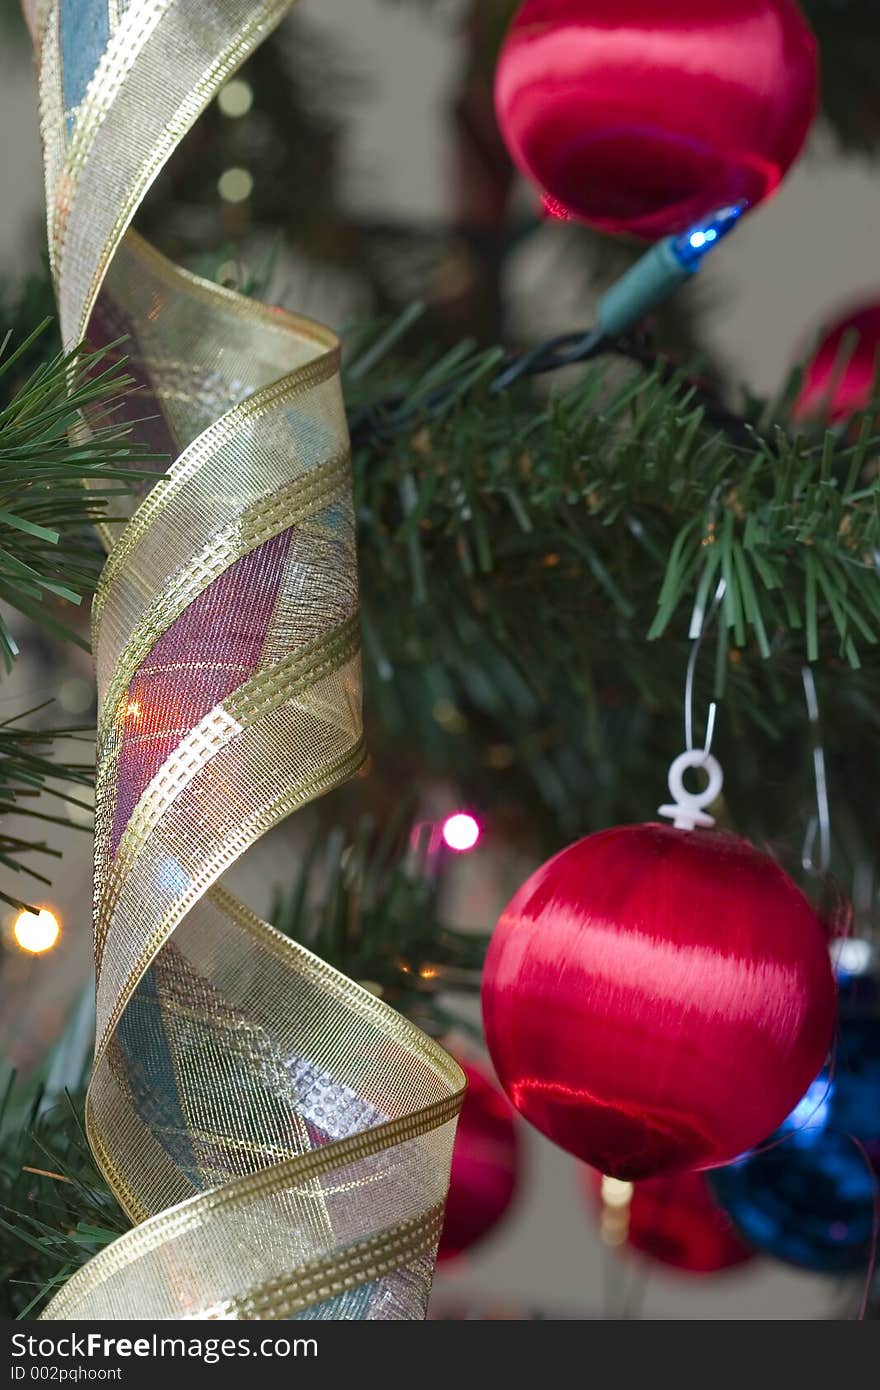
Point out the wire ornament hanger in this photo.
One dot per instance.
(819, 825)
(687, 810)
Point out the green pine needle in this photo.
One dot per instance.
(47, 549)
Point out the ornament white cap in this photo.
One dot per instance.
(686, 810)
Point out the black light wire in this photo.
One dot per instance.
(388, 417)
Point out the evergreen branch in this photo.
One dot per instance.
(55, 481)
(26, 773)
(56, 1210)
(618, 465)
(517, 550)
(46, 551)
(367, 902)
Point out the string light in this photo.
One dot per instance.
(616, 1192)
(235, 185)
(851, 956)
(690, 248)
(235, 98)
(660, 272)
(36, 932)
(616, 1200)
(76, 695)
(461, 832)
(448, 716)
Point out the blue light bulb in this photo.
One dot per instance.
(660, 272)
(690, 248)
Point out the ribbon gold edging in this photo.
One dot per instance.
(222, 1045)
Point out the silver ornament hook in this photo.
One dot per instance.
(819, 825)
(700, 623)
(687, 810)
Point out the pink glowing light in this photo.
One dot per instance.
(461, 832)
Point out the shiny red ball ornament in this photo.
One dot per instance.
(485, 1165)
(842, 374)
(643, 116)
(657, 1000)
(674, 1220)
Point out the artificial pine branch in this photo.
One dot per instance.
(24, 302)
(518, 550)
(642, 502)
(28, 775)
(47, 551)
(56, 1210)
(55, 482)
(369, 903)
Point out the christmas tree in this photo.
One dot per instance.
(576, 556)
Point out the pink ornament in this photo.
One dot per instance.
(645, 115)
(842, 374)
(658, 999)
(485, 1165)
(674, 1220)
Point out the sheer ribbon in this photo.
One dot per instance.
(281, 1137)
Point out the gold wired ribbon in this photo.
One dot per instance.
(281, 1137)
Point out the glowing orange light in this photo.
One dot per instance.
(429, 972)
(36, 932)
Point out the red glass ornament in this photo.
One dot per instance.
(485, 1165)
(674, 1220)
(657, 999)
(841, 376)
(643, 116)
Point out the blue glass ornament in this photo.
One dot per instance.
(806, 1196)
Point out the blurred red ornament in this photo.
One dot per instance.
(645, 115)
(656, 1000)
(842, 374)
(674, 1220)
(485, 1165)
